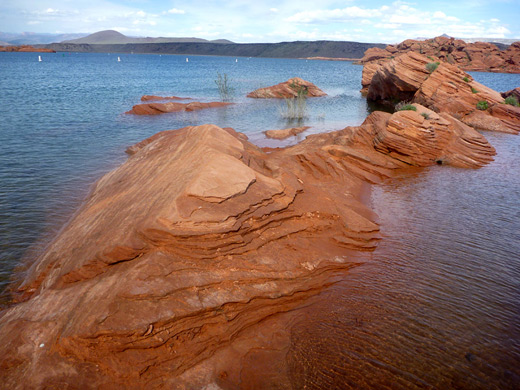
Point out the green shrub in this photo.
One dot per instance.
(465, 79)
(295, 108)
(224, 89)
(474, 90)
(482, 105)
(405, 106)
(425, 115)
(512, 100)
(431, 66)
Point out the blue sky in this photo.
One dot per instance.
(268, 21)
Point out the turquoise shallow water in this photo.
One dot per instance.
(437, 304)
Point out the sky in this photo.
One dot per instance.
(376, 21)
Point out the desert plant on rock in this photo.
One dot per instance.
(405, 106)
(473, 90)
(465, 79)
(512, 100)
(482, 105)
(425, 115)
(431, 66)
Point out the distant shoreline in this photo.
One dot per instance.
(329, 50)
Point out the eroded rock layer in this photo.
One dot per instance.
(199, 236)
(445, 89)
(288, 89)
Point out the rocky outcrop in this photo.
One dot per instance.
(514, 92)
(199, 236)
(25, 48)
(163, 108)
(285, 133)
(447, 89)
(288, 89)
(147, 98)
(479, 56)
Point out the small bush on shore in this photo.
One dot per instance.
(425, 115)
(405, 106)
(512, 101)
(474, 90)
(482, 105)
(465, 79)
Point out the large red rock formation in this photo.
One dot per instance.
(199, 236)
(446, 89)
(163, 108)
(479, 56)
(288, 89)
(26, 48)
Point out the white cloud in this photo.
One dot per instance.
(274, 10)
(175, 11)
(325, 15)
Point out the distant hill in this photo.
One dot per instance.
(112, 37)
(30, 38)
(298, 49)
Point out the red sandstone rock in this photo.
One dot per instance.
(162, 108)
(193, 240)
(479, 56)
(285, 133)
(147, 98)
(288, 89)
(25, 48)
(445, 90)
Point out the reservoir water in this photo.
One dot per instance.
(437, 305)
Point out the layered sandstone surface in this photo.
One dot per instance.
(478, 56)
(288, 89)
(447, 89)
(199, 236)
(164, 108)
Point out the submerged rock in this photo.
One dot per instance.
(163, 108)
(288, 89)
(285, 133)
(147, 98)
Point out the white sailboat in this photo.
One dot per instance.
(39, 58)
(236, 59)
(118, 59)
(187, 59)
